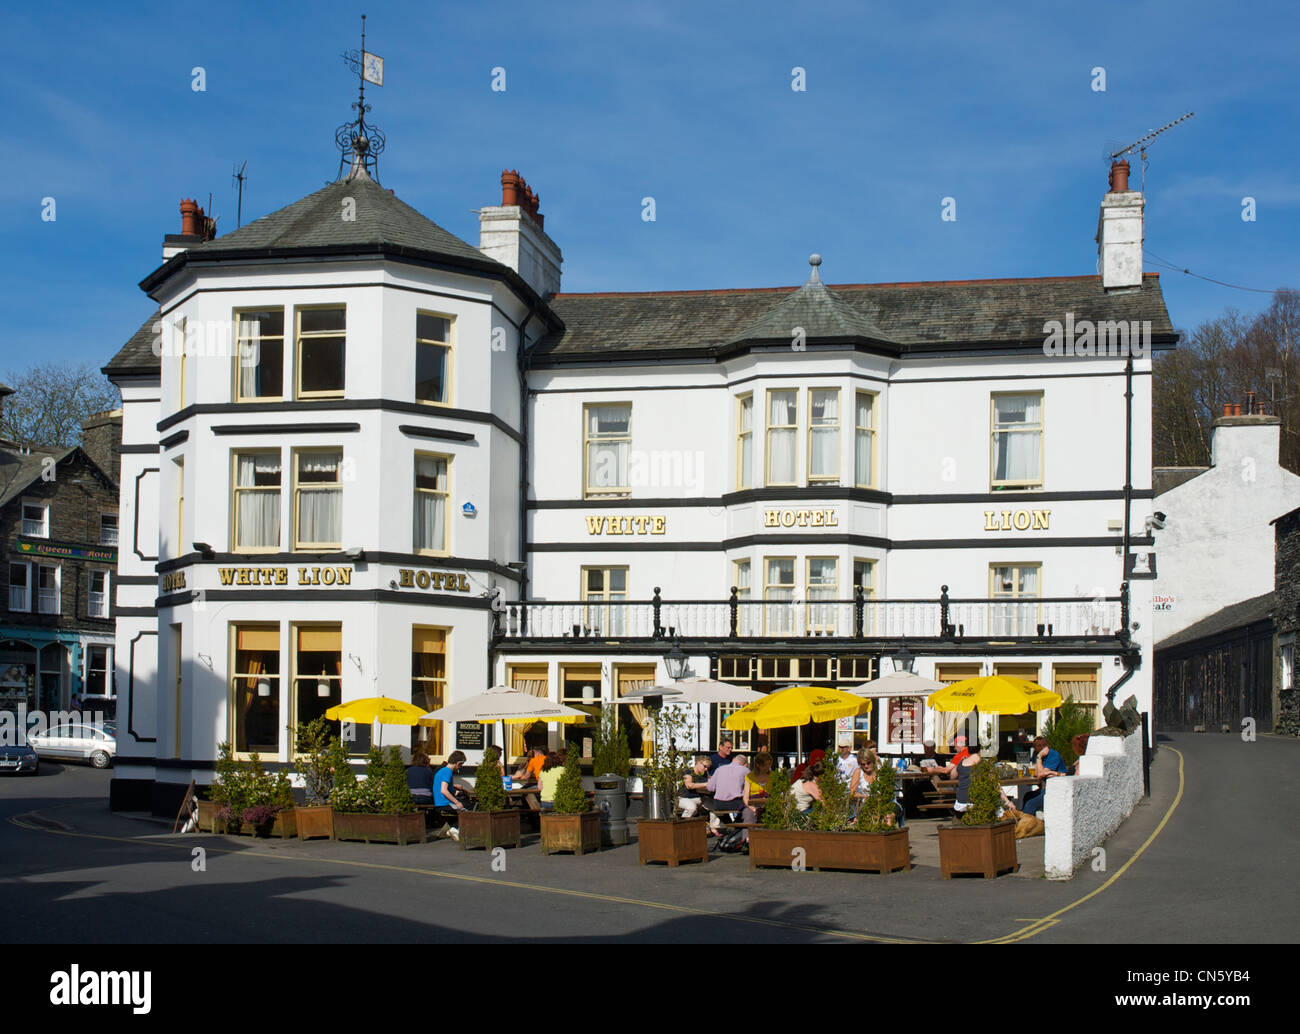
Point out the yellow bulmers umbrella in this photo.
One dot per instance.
(384, 710)
(1003, 694)
(797, 705)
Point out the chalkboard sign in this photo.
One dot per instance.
(469, 736)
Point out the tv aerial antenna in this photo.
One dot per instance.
(1141, 145)
(239, 177)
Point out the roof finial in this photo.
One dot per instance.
(814, 260)
(361, 143)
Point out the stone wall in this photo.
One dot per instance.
(1286, 615)
(1081, 811)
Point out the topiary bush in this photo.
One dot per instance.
(610, 753)
(395, 795)
(877, 813)
(985, 795)
(834, 812)
(488, 788)
(570, 798)
(312, 743)
(780, 811)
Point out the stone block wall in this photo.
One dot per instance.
(1082, 810)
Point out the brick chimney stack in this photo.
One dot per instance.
(196, 228)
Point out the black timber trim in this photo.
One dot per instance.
(327, 405)
(131, 450)
(840, 539)
(135, 524)
(135, 612)
(419, 597)
(304, 428)
(298, 560)
(861, 495)
(1063, 646)
(435, 432)
(130, 685)
(135, 579)
(174, 439)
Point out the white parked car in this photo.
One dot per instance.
(78, 741)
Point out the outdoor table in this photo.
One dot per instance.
(525, 798)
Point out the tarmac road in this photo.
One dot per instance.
(1212, 856)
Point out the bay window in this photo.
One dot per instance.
(745, 442)
(259, 355)
(864, 444)
(255, 689)
(782, 433)
(823, 436)
(322, 334)
(318, 499)
(257, 501)
(432, 358)
(432, 492)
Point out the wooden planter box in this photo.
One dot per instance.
(489, 829)
(284, 826)
(315, 821)
(986, 850)
(861, 852)
(673, 842)
(576, 833)
(379, 829)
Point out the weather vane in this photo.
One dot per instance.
(359, 142)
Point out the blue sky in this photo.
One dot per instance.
(691, 104)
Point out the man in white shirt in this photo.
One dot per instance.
(846, 762)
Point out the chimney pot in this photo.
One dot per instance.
(190, 213)
(1227, 409)
(1236, 409)
(1250, 402)
(509, 188)
(1119, 177)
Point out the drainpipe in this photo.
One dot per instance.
(1128, 507)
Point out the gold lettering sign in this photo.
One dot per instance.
(280, 575)
(442, 581)
(640, 525)
(801, 519)
(173, 580)
(1019, 520)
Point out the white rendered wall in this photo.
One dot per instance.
(1081, 811)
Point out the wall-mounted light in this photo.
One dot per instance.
(204, 550)
(206, 659)
(355, 553)
(357, 661)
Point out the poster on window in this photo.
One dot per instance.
(844, 732)
(905, 720)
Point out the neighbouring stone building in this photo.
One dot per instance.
(1286, 613)
(59, 529)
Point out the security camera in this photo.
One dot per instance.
(1155, 522)
(392, 584)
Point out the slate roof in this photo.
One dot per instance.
(915, 317)
(317, 225)
(1165, 478)
(20, 469)
(1238, 615)
(137, 355)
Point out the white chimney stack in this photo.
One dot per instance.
(512, 234)
(1119, 233)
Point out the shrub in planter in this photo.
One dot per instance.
(610, 754)
(979, 842)
(572, 825)
(671, 840)
(492, 824)
(1070, 720)
(321, 760)
(380, 808)
(249, 799)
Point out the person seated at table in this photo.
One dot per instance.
(446, 794)
(695, 781)
(528, 772)
(805, 788)
(813, 758)
(756, 781)
(721, 756)
(949, 771)
(419, 778)
(552, 769)
(964, 771)
(726, 787)
(1047, 764)
(928, 757)
(863, 776)
(847, 762)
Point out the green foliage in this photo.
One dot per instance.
(610, 752)
(395, 795)
(570, 798)
(665, 769)
(488, 787)
(1070, 720)
(241, 786)
(349, 793)
(780, 811)
(985, 795)
(312, 742)
(877, 811)
(834, 812)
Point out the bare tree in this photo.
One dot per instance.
(50, 402)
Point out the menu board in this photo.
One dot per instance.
(904, 720)
(469, 736)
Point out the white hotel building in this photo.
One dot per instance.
(419, 470)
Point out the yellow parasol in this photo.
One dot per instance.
(797, 706)
(384, 710)
(994, 694)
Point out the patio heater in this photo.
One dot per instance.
(902, 659)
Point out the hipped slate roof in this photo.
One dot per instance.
(1238, 615)
(915, 317)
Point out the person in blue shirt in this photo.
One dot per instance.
(1047, 764)
(446, 794)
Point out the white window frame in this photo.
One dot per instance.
(25, 606)
(820, 613)
(41, 607)
(105, 539)
(239, 339)
(590, 491)
(609, 620)
(236, 489)
(1013, 616)
(417, 491)
(767, 440)
(104, 594)
(744, 471)
(870, 432)
(316, 486)
(784, 605)
(33, 529)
